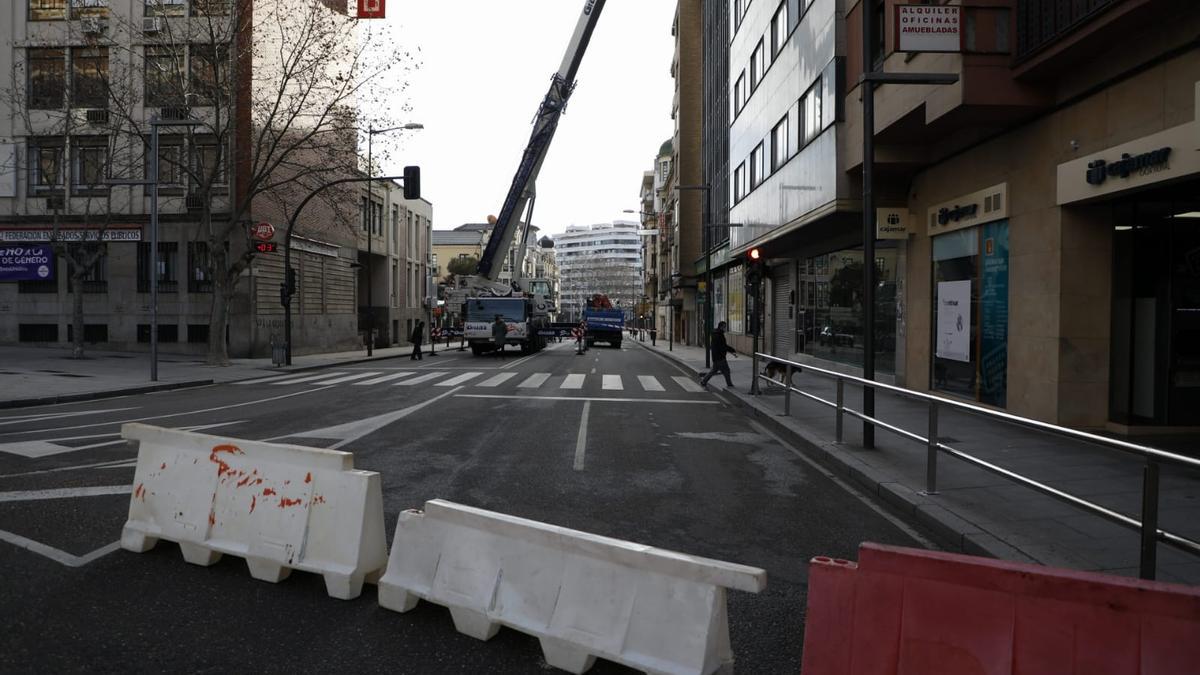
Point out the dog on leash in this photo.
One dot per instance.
(777, 371)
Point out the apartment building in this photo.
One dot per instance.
(603, 258)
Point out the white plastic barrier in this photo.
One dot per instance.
(581, 594)
(281, 507)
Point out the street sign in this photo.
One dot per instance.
(266, 246)
(370, 9)
(928, 28)
(262, 231)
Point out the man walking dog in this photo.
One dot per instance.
(719, 349)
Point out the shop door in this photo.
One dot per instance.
(783, 311)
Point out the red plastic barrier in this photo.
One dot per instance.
(900, 611)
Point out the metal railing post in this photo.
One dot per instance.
(931, 451)
(787, 389)
(1149, 563)
(841, 405)
(754, 373)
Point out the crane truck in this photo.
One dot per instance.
(525, 305)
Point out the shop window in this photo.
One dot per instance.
(970, 316)
(736, 300)
(47, 86)
(37, 332)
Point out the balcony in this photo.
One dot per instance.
(1044, 22)
(1054, 37)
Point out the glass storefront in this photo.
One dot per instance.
(737, 300)
(829, 306)
(1154, 375)
(970, 312)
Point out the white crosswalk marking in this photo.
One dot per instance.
(497, 380)
(348, 378)
(534, 381)
(687, 383)
(385, 378)
(307, 378)
(612, 382)
(649, 383)
(418, 380)
(458, 380)
(573, 381)
(265, 380)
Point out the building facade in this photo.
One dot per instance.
(604, 258)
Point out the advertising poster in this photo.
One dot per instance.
(26, 263)
(954, 320)
(993, 315)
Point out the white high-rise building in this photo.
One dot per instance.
(603, 258)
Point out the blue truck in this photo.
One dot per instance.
(604, 325)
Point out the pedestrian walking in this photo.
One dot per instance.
(719, 349)
(416, 338)
(499, 335)
(653, 336)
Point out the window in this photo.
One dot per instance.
(95, 280)
(167, 332)
(37, 332)
(166, 7)
(47, 78)
(739, 11)
(170, 162)
(878, 34)
(82, 8)
(165, 264)
(92, 332)
(89, 164)
(163, 76)
(208, 163)
(779, 29)
(739, 183)
(757, 166)
(664, 169)
(199, 280)
(207, 72)
(45, 165)
(779, 144)
(739, 93)
(810, 112)
(758, 65)
(45, 10)
(212, 7)
(197, 333)
(395, 225)
(89, 77)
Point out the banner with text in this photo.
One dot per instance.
(26, 263)
(928, 28)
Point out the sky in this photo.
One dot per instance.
(484, 67)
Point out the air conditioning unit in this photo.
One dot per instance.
(152, 24)
(194, 202)
(97, 116)
(91, 25)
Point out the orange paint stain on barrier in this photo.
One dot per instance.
(319, 499)
(267, 492)
(140, 492)
(285, 502)
(162, 466)
(253, 502)
(308, 478)
(222, 467)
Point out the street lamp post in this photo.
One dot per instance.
(371, 224)
(152, 182)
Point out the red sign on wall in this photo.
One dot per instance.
(370, 9)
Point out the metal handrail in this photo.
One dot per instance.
(1148, 526)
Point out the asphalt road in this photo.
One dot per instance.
(659, 463)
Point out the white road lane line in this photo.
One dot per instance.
(418, 380)
(534, 381)
(306, 378)
(60, 557)
(518, 397)
(352, 431)
(385, 378)
(349, 378)
(497, 380)
(454, 381)
(519, 361)
(247, 404)
(650, 383)
(687, 383)
(43, 417)
(612, 383)
(573, 381)
(581, 440)
(117, 463)
(65, 493)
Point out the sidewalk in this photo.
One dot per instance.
(35, 376)
(977, 511)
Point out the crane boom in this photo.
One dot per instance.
(545, 123)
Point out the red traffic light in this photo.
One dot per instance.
(755, 254)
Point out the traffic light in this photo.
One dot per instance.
(754, 264)
(288, 288)
(412, 182)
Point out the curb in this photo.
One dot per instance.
(956, 532)
(92, 396)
